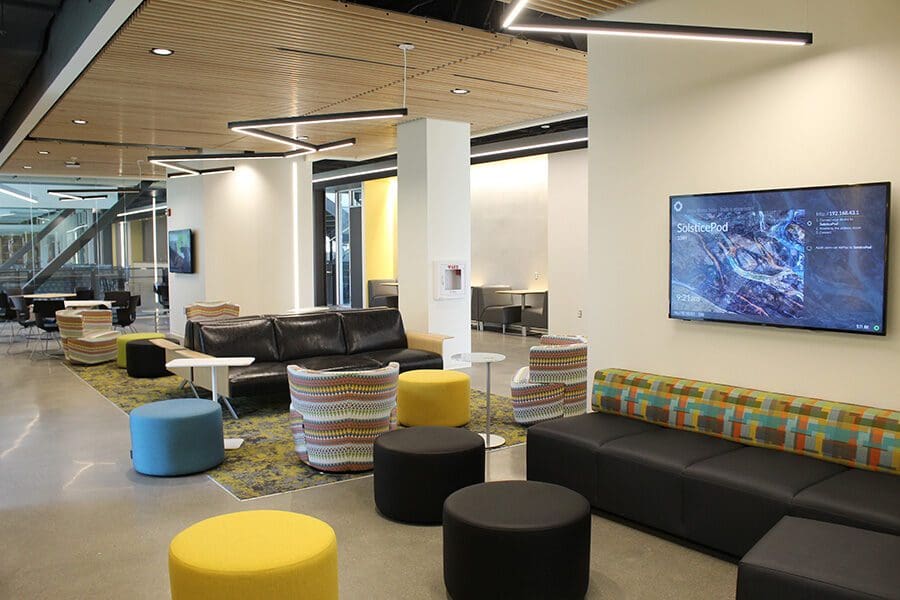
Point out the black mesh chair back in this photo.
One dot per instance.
(120, 298)
(162, 292)
(84, 293)
(126, 316)
(7, 310)
(23, 314)
(45, 314)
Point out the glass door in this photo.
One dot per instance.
(343, 246)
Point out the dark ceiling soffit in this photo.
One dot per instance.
(70, 27)
(351, 178)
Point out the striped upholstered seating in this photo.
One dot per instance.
(88, 337)
(535, 402)
(211, 310)
(336, 415)
(856, 436)
(562, 359)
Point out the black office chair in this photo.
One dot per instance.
(125, 317)
(82, 293)
(7, 316)
(120, 298)
(23, 318)
(45, 319)
(162, 292)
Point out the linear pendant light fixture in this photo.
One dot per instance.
(299, 147)
(89, 194)
(9, 192)
(652, 30)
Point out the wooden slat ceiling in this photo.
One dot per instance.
(576, 9)
(248, 59)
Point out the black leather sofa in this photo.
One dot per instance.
(709, 491)
(328, 340)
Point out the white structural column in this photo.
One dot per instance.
(434, 225)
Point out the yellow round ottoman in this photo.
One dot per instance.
(123, 339)
(433, 397)
(255, 555)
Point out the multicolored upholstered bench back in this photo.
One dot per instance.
(855, 436)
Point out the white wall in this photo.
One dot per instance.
(184, 197)
(509, 223)
(567, 237)
(247, 225)
(670, 117)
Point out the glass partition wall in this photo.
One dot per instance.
(48, 245)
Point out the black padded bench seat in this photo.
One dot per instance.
(714, 492)
(802, 559)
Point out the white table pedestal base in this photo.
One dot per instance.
(495, 441)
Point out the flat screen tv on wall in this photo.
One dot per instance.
(813, 258)
(181, 251)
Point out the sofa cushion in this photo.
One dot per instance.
(847, 434)
(303, 336)
(732, 500)
(409, 359)
(854, 497)
(564, 451)
(368, 330)
(804, 559)
(255, 337)
(337, 362)
(258, 379)
(639, 476)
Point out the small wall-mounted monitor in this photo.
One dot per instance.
(181, 251)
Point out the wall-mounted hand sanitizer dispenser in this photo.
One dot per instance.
(450, 279)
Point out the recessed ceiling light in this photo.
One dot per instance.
(26, 166)
(459, 91)
(162, 51)
(79, 121)
(43, 152)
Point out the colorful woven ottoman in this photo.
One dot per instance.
(417, 468)
(517, 539)
(433, 397)
(255, 555)
(176, 437)
(122, 341)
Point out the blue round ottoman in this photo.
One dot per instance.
(176, 437)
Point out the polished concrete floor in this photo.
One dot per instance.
(77, 522)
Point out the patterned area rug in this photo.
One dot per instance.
(266, 463)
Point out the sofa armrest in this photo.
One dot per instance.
(430, 342)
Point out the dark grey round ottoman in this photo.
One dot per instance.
(417, 468)
(517, 539)
(144, 359)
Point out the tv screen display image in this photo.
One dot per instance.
(813, 258)
(181, 257)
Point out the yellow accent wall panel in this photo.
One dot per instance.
(380, 228)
